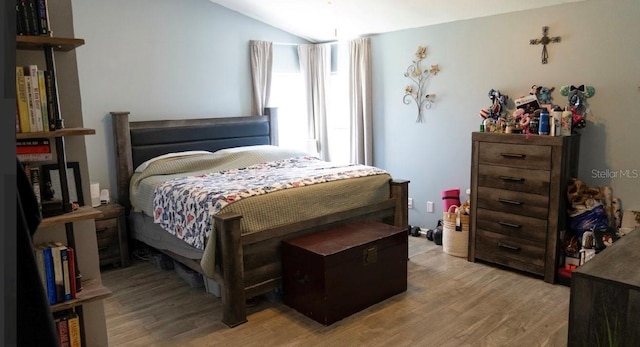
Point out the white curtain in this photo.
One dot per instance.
(315, 65)
(360, 100)
(261, 71)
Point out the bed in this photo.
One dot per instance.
(245, 262)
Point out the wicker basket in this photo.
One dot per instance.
(455, 242)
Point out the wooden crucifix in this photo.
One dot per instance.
(544, 41)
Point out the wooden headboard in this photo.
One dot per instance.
(137, 142)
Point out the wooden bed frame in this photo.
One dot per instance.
(247, 265)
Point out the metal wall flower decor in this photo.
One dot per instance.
(417, 91)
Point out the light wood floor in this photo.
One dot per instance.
(449, 302)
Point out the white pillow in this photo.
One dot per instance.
(144, 165)
(245, 149)
(262, 149)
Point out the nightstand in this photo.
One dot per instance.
(111, 234)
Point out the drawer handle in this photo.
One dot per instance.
(512, 179)
(510, 225)
(513, 155)
(513, 248)
(510, 202)
(101, 230)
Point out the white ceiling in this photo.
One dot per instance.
(319, 20)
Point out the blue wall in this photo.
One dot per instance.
(494, 52)
(161, 59)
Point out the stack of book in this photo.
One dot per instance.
(35, 109)
(68, 328)
(32, 17)
(56, 267)
(30, 150)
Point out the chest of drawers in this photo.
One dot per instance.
(518, 199)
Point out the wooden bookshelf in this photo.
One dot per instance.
(39, 42)
(92, 325)
(82, 213)
(57, 133)
(91, 290)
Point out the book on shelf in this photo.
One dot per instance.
(64, 255)
(62, 327)
(23, 20)
(43, 100)
(39, 252)
(49, 272)
(43, 16)
(35, 116)
(58, 272)
(73, 323)
(52, 111)
(35, 179)
(23, 102)
(56, 267)
(30, 150)
(35, 99)
(32, 72)
(72, 271)
(32, 17)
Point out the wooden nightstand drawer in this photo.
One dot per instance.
(111, 236)
(508, 178)
(523, 204)
(526, 228)
(514, 155)
(106, 232)
(102, 224)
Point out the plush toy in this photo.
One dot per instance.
(496, 110)
(544, 95)
(577, 100)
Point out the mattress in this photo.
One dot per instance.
(262, 211)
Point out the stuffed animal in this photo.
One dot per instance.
(577, 100)
(581, 196)
(496, 110)
(544, 95)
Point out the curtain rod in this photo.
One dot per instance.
(296, 44)
(287, 43)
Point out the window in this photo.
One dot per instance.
(287, 93)
(338, 125)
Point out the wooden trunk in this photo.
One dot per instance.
(332, 274)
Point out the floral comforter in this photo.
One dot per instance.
(183, 206)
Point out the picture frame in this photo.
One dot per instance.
(51, 174)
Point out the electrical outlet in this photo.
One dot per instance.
(430, 206)
(410, 203)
